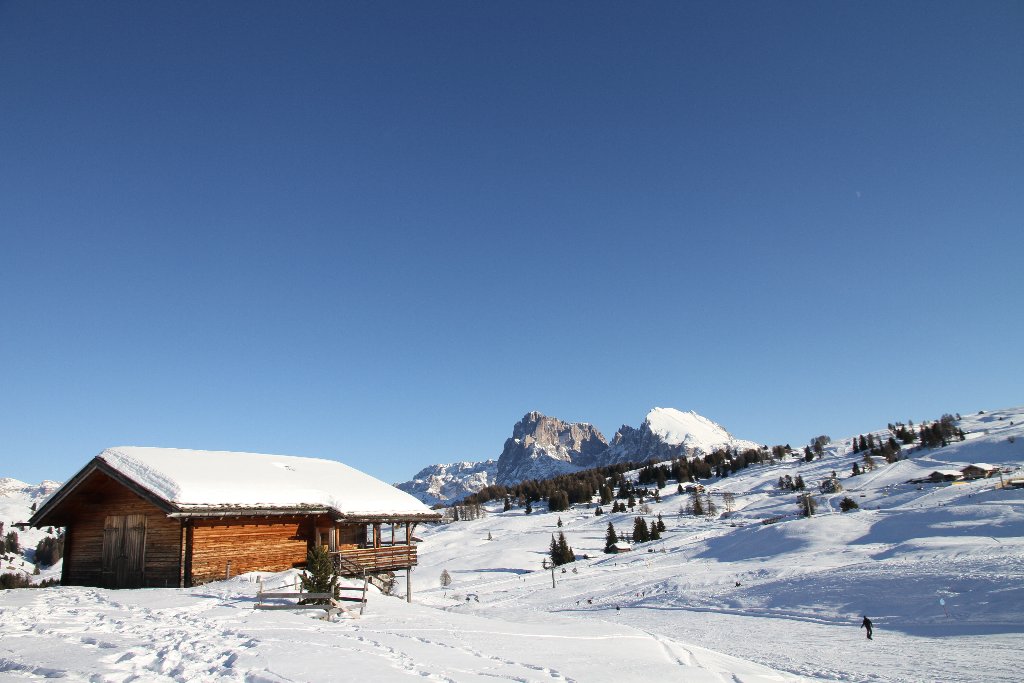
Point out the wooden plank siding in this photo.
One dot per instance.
(250, 544)
(83, 553)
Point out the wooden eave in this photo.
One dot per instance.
(51, 506)
(385, 517)
(220, 512)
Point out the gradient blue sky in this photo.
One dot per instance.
(382, 233)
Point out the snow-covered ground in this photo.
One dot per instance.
(939, 568)
(16, 500)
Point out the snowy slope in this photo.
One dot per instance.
(789, 595)
(16, 501)
(719, 599)
(693, 431)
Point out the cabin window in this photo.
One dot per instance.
(326, 538)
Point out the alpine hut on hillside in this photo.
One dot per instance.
(136, 517)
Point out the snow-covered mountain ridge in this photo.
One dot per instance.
(542, 447)
(452, 481)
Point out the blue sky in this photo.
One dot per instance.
(383, 232)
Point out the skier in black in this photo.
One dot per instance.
(867, 624)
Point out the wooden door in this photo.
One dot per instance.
(124, 551)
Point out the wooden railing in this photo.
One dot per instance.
(377, 559)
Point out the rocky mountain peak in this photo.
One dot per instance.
(542, 446)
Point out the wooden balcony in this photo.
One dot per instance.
(388, 558)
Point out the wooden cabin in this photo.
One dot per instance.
(979, 470)
(163, 517)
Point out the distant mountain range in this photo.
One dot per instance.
(541, 447)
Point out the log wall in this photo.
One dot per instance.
(84, 549)
(250, 544)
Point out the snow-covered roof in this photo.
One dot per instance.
(947, 473)
(982, 466)
(193, 480)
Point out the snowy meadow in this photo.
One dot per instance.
(755, 593)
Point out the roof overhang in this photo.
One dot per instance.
(50, 506)
(44, 516)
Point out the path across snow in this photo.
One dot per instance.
(212, 633)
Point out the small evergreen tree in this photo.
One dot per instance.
(641, 534)
(660, 523)
(446, 578)
(847, 504)
(696, 506)
(48, 551)
(320, 575)
(559, 550)
(610, 538)
(565, 552)
(11, 542)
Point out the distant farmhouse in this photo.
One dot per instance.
(137, 517)
(978, 470)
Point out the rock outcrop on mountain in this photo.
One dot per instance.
(450, 483)
(541, 447)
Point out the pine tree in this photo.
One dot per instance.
(559, 522)
(660, 523)
(320, 575)
(565, 553)
(696, 506)
(446, 578)
(641, 534)
(610, 538)
(508, 505)
(11, 542)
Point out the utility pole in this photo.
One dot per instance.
(550, 565)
